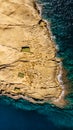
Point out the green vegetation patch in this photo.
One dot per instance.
(25, 49)
(16, 88)
(21, 75)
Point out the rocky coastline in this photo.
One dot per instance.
(28, 64)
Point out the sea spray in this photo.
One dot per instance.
(61, 81)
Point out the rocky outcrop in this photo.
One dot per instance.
(28, 63)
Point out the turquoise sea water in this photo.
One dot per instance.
(23, 115)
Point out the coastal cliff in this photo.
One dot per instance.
(29, 67)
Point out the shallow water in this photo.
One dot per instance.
(23, 115)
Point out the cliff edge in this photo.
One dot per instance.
(28, 64)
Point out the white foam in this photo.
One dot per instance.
(45, 3)
(39, 7)
(61, 82)
(57, 47)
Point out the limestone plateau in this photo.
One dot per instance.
(28, 64)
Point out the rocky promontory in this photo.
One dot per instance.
(28, 64)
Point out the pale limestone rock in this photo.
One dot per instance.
(32, 73)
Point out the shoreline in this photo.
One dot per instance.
(37, 85)
(60, 75)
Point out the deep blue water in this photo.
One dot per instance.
(23, 115)
(14, 119)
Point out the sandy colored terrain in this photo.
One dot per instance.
(28, 63)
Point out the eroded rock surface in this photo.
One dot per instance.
(28, 63)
